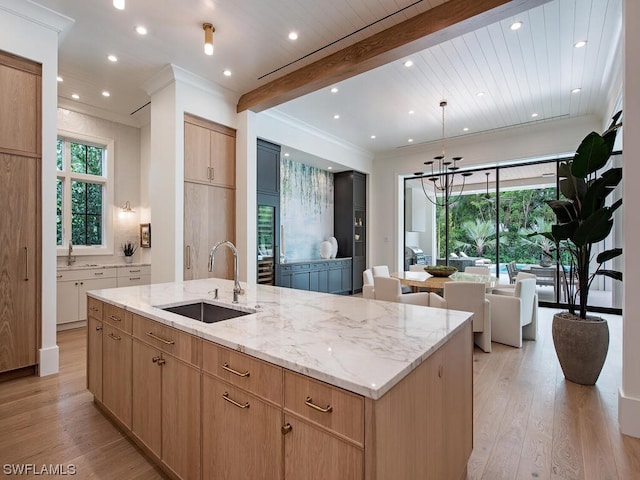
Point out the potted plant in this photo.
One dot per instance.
(583, 219)
(128, 248)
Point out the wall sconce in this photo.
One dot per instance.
(126, 208)
(119, 4)
(208, 38)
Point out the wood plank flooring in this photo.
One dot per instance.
(528, 421)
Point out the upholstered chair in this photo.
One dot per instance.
(389, 289)
(478, 270)
(514, 317)
(383, 271)
(367, 284)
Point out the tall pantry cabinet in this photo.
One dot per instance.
(20, 213)
(209, 196)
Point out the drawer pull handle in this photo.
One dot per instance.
(134, 271)
(58, 276)
(113, 317)
(98, 273)
(225, 395)
(226, 367)
(155, 359)
(160, 339)
(286, 428)
(115, 337)
(98, 328)
(309, 403)
(134, 278)
(94, 309)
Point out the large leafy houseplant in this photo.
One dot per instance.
(583, 220)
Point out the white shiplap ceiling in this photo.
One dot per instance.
(530, 70)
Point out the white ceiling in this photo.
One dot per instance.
(522, 72)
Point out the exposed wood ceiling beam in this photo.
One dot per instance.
(448, 20)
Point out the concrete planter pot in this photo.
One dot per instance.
(581, 346)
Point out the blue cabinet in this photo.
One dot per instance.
(328, 276)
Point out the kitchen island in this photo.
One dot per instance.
(305, 385)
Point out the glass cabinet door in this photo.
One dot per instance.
(266, 244)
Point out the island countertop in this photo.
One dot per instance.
(364, 346)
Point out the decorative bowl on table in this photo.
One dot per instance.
(440, 270)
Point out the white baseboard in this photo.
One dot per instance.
(49, 361)
(71, 325)
(628, 414)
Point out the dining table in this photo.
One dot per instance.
(426, 282)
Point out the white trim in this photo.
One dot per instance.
(628, 414)
(48, 360)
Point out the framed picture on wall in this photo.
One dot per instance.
(145, 235)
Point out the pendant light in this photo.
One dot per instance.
(208, 38)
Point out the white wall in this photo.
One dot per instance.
(629, 394)
(32, 32)
(126, 181)
(538, 139)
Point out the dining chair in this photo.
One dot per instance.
(383, 271)
(512, 271)
(416, 268)
(478, 270)
(471, 297)
(514, 317)
(389, 289)
(368, 290)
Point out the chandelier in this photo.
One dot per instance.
(443, 174)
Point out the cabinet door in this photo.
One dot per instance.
(94, 357)
(197, 151)
(19, 261)
(181, 419)
(91, 284)
(222, 226)
(223, 159)
(146, 394)
(116, 373)
(67, 302)
(241, 434)
(313, 454)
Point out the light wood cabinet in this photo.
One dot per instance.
(71, 291)
(20, 222)
(166, 395)
(94, 356)
(210, 152)
(116, 373)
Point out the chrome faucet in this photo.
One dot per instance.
(70, 259)
(237, 289)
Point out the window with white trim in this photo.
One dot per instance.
(83, 187)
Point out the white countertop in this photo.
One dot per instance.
(364, 346)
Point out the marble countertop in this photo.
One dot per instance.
(88, 266)
(364, 346)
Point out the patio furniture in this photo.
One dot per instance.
(545, 276)
(512, 270)
(478, 270)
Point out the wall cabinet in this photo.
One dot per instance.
(209, 197)
(253, 419)
(72, 287)
(350, 221)
(20, 222)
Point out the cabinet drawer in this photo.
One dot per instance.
(85, 274)
(252, 374)
(323, 404)
(94, 308)
(168, 339)
(134, 271)
(134, 280)
(118, 317)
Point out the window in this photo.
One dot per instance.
(83, 188)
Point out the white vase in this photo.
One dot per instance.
(128, 259)
(334, 246)
(325, 249)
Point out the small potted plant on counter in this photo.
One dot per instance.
(129, 248)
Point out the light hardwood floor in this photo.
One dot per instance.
(528, 421)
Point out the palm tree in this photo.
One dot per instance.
(481, 235)
(531, 236)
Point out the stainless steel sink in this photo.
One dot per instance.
(206, 312)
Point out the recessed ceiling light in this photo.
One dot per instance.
(480, 94)
(75, 96)
(411, 112)
(106, 94)
(112, 58)
(465, 129)
(119, 4)
(227, 73)
(334, 90)
(516, 25)
(580, 44)
(329, 168)
(286, 154)
(336, 116)
(293, 35)
(141, 30)
(373, 137)
(410, 140)
(576, 90)
(534, 115)
(60, 79)
(408, 63)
